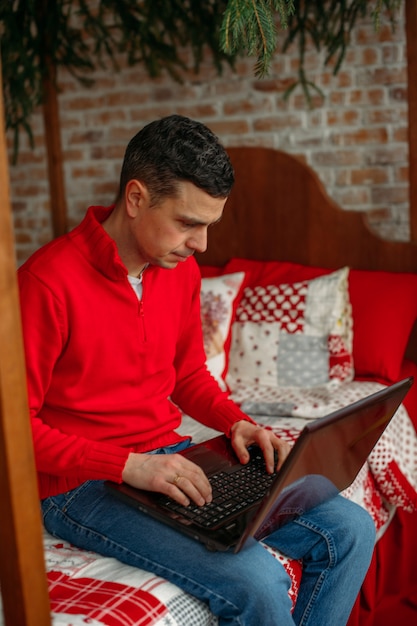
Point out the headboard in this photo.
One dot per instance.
(279, 210)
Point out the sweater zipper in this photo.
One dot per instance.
(141, 307)
(142, 318)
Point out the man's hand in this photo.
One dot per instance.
(244, 434)
(170, 474)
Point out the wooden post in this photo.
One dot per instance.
(54, 153)
(411, 34)
(22, 569)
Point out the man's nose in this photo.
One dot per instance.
(198, 241)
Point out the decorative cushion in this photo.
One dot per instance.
(210, 271)
(292, 334)
(384, 310)
(273, 272)
(219, 298)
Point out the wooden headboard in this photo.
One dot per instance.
(279, 210)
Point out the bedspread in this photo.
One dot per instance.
(389, 479)
(88, 589)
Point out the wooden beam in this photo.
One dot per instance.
(22, 570)
(54, 153)
(411, 34)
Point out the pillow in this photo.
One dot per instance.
(209, 271)
(292, 334)
(273, 272)
(384, 309)
(219, 298)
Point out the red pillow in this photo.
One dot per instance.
(210, 271)
(384, 309)
(265, 273)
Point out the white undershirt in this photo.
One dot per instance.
(136, 285)
(136, 282)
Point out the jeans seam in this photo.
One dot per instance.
(322, 578)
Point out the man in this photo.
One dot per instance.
(114, 346)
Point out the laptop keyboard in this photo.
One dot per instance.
(233, 492)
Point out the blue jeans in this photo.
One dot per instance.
(335, 541)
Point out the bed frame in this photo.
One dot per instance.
(278, 210)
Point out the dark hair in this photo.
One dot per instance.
(173, 149)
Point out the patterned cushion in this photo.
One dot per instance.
(384, 310)
(293, 335)
(218, 304)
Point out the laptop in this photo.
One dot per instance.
(325, 459)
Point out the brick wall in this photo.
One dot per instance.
(356, 139)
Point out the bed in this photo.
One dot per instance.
(284, 254)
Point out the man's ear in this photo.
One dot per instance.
(137, 197)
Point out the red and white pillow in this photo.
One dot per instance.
(384, 310)
(292, 335)
(219, 298)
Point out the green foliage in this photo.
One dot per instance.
(40, 36)
(250, 27)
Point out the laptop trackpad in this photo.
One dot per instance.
(212, 456)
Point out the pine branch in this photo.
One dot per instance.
(248, 26)
(80, 35)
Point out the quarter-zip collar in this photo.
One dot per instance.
(96, 245)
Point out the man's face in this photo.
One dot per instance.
(168, 233)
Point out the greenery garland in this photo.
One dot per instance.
(40, 36)
(250, 26)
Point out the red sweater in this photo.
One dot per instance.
(107, 373)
